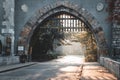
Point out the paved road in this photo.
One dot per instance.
(65, 68)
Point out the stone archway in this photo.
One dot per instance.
(62, 6)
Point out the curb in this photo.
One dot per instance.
(16, 67)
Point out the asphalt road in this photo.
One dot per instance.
(65, 68)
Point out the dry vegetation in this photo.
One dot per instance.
(87, 39)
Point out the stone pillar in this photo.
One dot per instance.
(116, 30)
(8, 22)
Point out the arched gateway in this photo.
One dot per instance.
(63, 6)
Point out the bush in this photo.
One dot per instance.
(90, 58)
(51, 56)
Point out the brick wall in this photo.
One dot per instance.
(116, 29)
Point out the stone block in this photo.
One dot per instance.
(8, 7)
(25, 32)
(41, 11)
(48, 7)
(98, 29)
(67, 3)
(40, 20)
(112, 65)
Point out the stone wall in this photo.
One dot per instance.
(7, 30)
(8, 22)
(111, 65)
(1, 14)
(27, 8)
(116, 30)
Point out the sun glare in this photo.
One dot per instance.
(72, 59)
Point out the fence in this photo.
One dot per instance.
(111, 65)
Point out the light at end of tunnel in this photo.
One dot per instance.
(72, 59)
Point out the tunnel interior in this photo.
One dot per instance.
(62, 34)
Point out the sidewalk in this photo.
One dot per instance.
(15, 66)
(93, 71)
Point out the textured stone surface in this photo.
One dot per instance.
(9, 13)
(43, 13)
(116, 29)
(8, 24)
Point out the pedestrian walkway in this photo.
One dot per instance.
(93, 71)
(15, 66)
